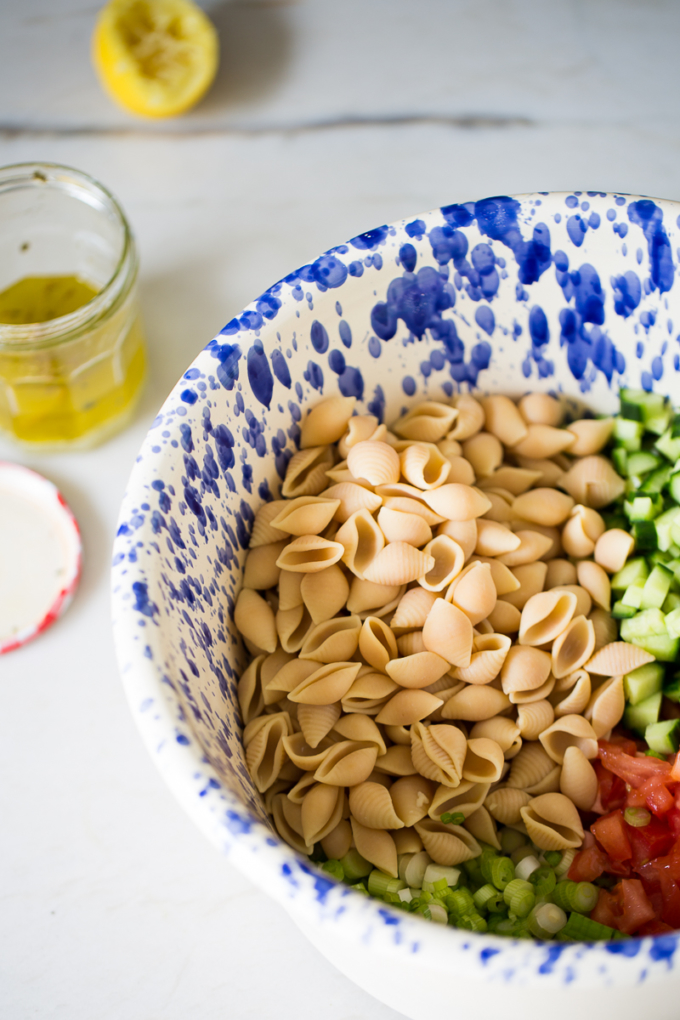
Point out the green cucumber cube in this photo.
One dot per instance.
(663, 737)
(672, 602)
(643, 508)
(634, 570)
(632, 596)
(656, 588)
(668, 445)
(639, 717)
(643, 682)
(673, 623)
(644, 533)
(642, 462)
(672, 690)
(621, 612)
(628, 433)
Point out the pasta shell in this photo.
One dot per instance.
(270, 668)
(260, 570)
(413, 610)
(407, 707)
(549, 470)
(531, 577)
(417, 671)
(255, 621)
(302, 755)
(360, 727)
(369, 693)
(501, 501)
(327, 684)
(606, 706)
(292, 626)
(504, 420)
(291, 675)
(333, 641)
(411, 798)
(525, 668)
(263, 739)
(613, 548)
(606, 629)
(316, 721)
(411, 643)
(532, 546)
(377, 846)
(428, 422)
(484, 761)
(552, 822)
(369, 597)
(410, 505)
(617, 658)
(438, 752)
(484, 452)
(573, 647)
(298, 792)
(591, 435)
(583, 600)
(486, 661)
(397, 761)
(306, 515)
(593, 578)
(474, 592)
(543, 441)
(249, 691)
(424, 466)
(351, 497)
(447, 631)
(282, 810)
(457, 502)
(578, 780)
(362, 540)
(534, 718)
(321, 811)
(290, 594)
(474, 704)
(359, 428)
(494, 539)
(504, 618)
(543, 506)
(460, 470)
(448, 562)
(581, 531)
(538, 693)
(398, 563)
(505, 804)
(541, 409)
(326, 422)
(464, 533)
(561, 573)
(306, 472)
(465, 799)
(397, 526)
(515, 480)
(338, 842)
(347, 763)
(570, 730)
(546, 616)
(371, 805)
(530, 767)
(572, 698)
(308, 554)
(324, 593)
(504, 731)
(407, 841)
(377, 643)
(447, 844)
(593, 482)
(263, 533)
(378, 463)
(470, 418)
(340, 473)
(483, 827)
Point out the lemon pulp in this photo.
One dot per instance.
(60, 393)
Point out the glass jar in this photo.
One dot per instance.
(72, 380)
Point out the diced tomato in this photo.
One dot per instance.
(658, 796)
(649, 841)
(653, 928)
(588, 865)
(675, 770)
(610, 833)
(626, 744)
(608, 910)
(673, 819)
(612, 790)
(671, 899)
(634, 771)
(636, 907)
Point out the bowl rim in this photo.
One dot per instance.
(269, 862)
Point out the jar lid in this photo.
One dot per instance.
(40, 555)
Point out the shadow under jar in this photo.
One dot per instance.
(72, 357)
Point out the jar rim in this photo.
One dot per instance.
(85, 188)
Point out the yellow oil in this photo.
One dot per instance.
(61, 393)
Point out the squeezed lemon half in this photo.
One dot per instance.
(155, 58)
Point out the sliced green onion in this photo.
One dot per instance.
(438, 913)
(578, 896)
(462, 901)
(439, 872)
(471, 922)
(405, 895)
(567, 857)
(485, 861)
(545, 920)
(473, 871)
(436, 888)
(638, 817)
(526, 850)
(543, 881)
(526, 866)
(452, 818)
(582, 929)
(488, 898)
(519, 896)
(334, 869)
(552, 857)
(414, 872)
(355, 866)
(379, 883)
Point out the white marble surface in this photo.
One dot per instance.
(113, 905)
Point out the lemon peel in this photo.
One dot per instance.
(155, 58)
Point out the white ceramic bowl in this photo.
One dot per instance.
(574, 294)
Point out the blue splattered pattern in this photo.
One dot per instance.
(572, 293)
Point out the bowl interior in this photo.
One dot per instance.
(571, 294)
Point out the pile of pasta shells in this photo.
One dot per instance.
(427, 611)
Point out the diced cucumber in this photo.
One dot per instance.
(659, 556)
(634, 570)
(642, 462)
(659, 423)
(644, 533)
(669, 445)
(643, 508)
(663, 737)
(642, 682)
(671, 603)
(675, 426)
(620, 460)
(672, 690)
(615, 520)
(630, 407)
(674, 485)
(673, 623)
(621, 612)
(639, 717)
(656, 589)
(662, 646)
(656, 480)
(632, 596)
(628, 433)
(651, 621)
